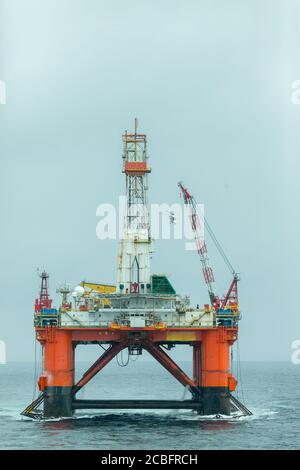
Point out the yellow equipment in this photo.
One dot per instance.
(100, 289)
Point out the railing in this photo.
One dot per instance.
(228, 320)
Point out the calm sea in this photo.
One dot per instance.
(270, 390)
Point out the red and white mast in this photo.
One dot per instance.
(44, 301)
(207, 270)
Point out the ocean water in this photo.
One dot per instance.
(270, 390)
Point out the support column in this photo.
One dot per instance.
(57, 379)
(214, 373)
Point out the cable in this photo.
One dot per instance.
(38, 364)
(219, 247)
(214, 238)
(34, 372)
(121, 363)
(240, 370)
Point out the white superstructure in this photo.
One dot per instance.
(134, 275)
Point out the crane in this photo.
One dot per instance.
(231, 298)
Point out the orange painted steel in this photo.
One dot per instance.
(211, 352)
(138, 168)
(173, 335)
(58, 367)
(215, 358)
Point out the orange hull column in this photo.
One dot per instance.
(57, 379)
(214, 378)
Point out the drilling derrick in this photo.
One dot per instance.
(135, 245)
(141, 312)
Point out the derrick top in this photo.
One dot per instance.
(135, 153)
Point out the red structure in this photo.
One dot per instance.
(44, 301)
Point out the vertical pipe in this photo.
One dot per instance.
(197, 364)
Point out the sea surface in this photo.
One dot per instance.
(270, 390)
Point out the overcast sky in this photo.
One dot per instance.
(210, 81)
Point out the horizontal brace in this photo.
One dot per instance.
(136, 404)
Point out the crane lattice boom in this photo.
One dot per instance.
(231, 298)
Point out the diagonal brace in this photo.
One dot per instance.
(103, 360)
(168, 363)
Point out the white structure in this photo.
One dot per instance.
(136, 246)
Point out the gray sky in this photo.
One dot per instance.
(211, 84)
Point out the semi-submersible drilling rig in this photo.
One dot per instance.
(142, 312)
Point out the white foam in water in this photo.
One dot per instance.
(178, 415)
(174, 414)
(13, 412)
